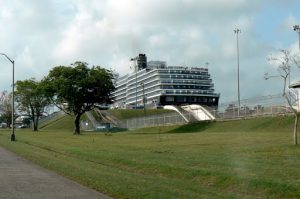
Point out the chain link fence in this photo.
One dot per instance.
(271, 105)
(263, 106)
(155, 120)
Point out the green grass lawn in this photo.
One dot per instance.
(239, 159)
(132, 113)
(60, 123)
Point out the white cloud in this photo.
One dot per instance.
(43, 34)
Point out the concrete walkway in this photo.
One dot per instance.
(21, 179)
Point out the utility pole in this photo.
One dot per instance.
(237, 31)
(144, 99)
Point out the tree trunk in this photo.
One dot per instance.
(8, 124)
(33, 118)
(77, 124)
(296, 129)
(35, 123)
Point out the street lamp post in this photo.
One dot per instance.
(297, 29)
(13, 137)
(135, 70)
(144, 99)
(237, 31)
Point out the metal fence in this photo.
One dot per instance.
(155, 120)
(248, 112)
(263, 106)
(270, 105)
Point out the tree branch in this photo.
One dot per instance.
(59, 107)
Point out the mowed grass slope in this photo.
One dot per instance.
(238, 159)
(122, 114)
(61, 123)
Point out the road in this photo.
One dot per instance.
(21, 179)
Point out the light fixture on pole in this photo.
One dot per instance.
(135, 70)
(13, 137)
(237, 31)
(297, 29)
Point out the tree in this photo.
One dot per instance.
(76, 89)
(31, 99)
(6, 107)
(285, 61)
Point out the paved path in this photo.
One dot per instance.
(21, 179)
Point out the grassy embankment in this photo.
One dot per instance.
(238, 159)
(128, 114)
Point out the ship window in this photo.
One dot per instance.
(193, 99)
(169, 99)
(181, 99)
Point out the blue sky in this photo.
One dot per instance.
(39, 35)
(271, 22)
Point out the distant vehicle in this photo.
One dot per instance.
(3, 125)
(102, 107)
(23, 126)
(103, 127)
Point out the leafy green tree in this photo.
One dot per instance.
(31, 100)
(77, 88)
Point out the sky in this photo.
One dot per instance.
(40, 35)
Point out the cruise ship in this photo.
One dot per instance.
(154, 84)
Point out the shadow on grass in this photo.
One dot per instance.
(192, 128)
(117, 130)
(110, 130)
(187, 128)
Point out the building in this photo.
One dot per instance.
(156, 84)
(296, 88)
